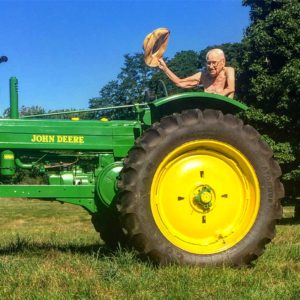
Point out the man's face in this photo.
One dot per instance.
(215, 64)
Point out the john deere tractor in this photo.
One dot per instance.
(186, 182)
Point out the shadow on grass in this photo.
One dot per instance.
(25, 245)
(22, 245)
(289, 221)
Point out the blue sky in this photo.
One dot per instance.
(64, 52)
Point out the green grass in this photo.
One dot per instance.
(51, 251)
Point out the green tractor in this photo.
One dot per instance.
(186, 182)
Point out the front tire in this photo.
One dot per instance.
(200, 188)
(107, 223)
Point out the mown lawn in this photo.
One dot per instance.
(51, 251)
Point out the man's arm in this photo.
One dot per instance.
(186, 83)
(230, 83)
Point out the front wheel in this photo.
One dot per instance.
(200, 188)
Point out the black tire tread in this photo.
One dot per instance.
(151, 139)
(107, 224)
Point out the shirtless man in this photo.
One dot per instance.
(216, 78)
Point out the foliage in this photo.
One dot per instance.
(67, 115)
(270, 77)
(50, 114)
(110, 95)
(267, 64)
(26, 111)
(138, 83)
(129, 87)
(183, 64)
(134, 78)
(232, 54)
(187, 63)
(231, 51)
(32, 110)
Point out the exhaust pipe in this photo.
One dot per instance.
(3, 59)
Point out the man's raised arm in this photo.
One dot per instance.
(186, 83)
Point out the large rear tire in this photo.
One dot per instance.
(200, 188)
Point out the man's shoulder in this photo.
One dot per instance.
(229, 70)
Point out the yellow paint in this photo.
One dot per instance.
(206, 197)
(65, 139)
(9, 156)
(233, 197)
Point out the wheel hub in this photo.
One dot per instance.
(203, 198)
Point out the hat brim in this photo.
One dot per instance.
(155, 44)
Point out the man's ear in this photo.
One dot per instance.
(223, 62)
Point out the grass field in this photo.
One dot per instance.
(51, 251)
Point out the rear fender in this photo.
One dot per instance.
(177, 103)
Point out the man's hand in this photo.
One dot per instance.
(161, 64)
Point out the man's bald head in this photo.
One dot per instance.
(215, 61)
(218, 52)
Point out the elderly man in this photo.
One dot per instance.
(216, 78)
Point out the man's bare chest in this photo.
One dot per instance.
(214, 83)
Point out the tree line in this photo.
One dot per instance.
(267, 64)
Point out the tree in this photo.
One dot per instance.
(110, 95)
(183, 64)
(25, 111)
(187, 63)
(129, 87)
(50, 114)
(231, 51)
(232, 54)
(134, 78)
(270, 77)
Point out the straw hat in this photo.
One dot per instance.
(155, 44)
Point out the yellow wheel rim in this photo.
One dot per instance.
(205, 196)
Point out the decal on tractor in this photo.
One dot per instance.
(70, 139)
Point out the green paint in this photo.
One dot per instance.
(202, 97)
(83, 195)
(82, 160)
(14, 106)
(8, 166)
